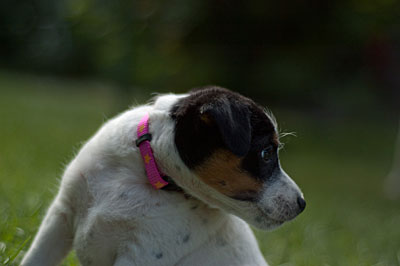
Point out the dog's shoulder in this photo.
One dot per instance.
(109, 165)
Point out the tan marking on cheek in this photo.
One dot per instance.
(222, 172)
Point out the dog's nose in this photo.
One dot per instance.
(302, 203)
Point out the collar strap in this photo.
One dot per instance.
(143, 142)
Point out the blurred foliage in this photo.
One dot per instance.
(307, 54)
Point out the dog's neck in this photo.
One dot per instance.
(157, 179)
(162, 127)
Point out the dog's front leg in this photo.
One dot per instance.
(54, 238)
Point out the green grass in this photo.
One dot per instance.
(339, 165)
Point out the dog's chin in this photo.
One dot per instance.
(267, 225)
(257, 218)
(263, 221)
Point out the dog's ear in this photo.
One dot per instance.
(232, 118)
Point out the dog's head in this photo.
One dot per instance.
(231, 145)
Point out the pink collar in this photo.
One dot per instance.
(143, 142)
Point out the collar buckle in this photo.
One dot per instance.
(142, 138)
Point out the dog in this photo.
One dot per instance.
(214, 154)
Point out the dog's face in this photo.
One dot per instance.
(231, 145)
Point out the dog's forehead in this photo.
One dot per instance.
(262, 118)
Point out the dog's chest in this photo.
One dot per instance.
(156, 233)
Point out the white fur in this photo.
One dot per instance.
(108, 212)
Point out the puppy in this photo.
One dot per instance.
(216, 153)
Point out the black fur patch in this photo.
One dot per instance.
(232, 118)
(208, 119)
(214, 118)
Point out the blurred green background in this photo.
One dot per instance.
(329, 70)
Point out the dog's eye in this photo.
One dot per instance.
(266, 154)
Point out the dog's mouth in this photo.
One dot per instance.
(268, 216)
(265, 220)
(284, 215)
